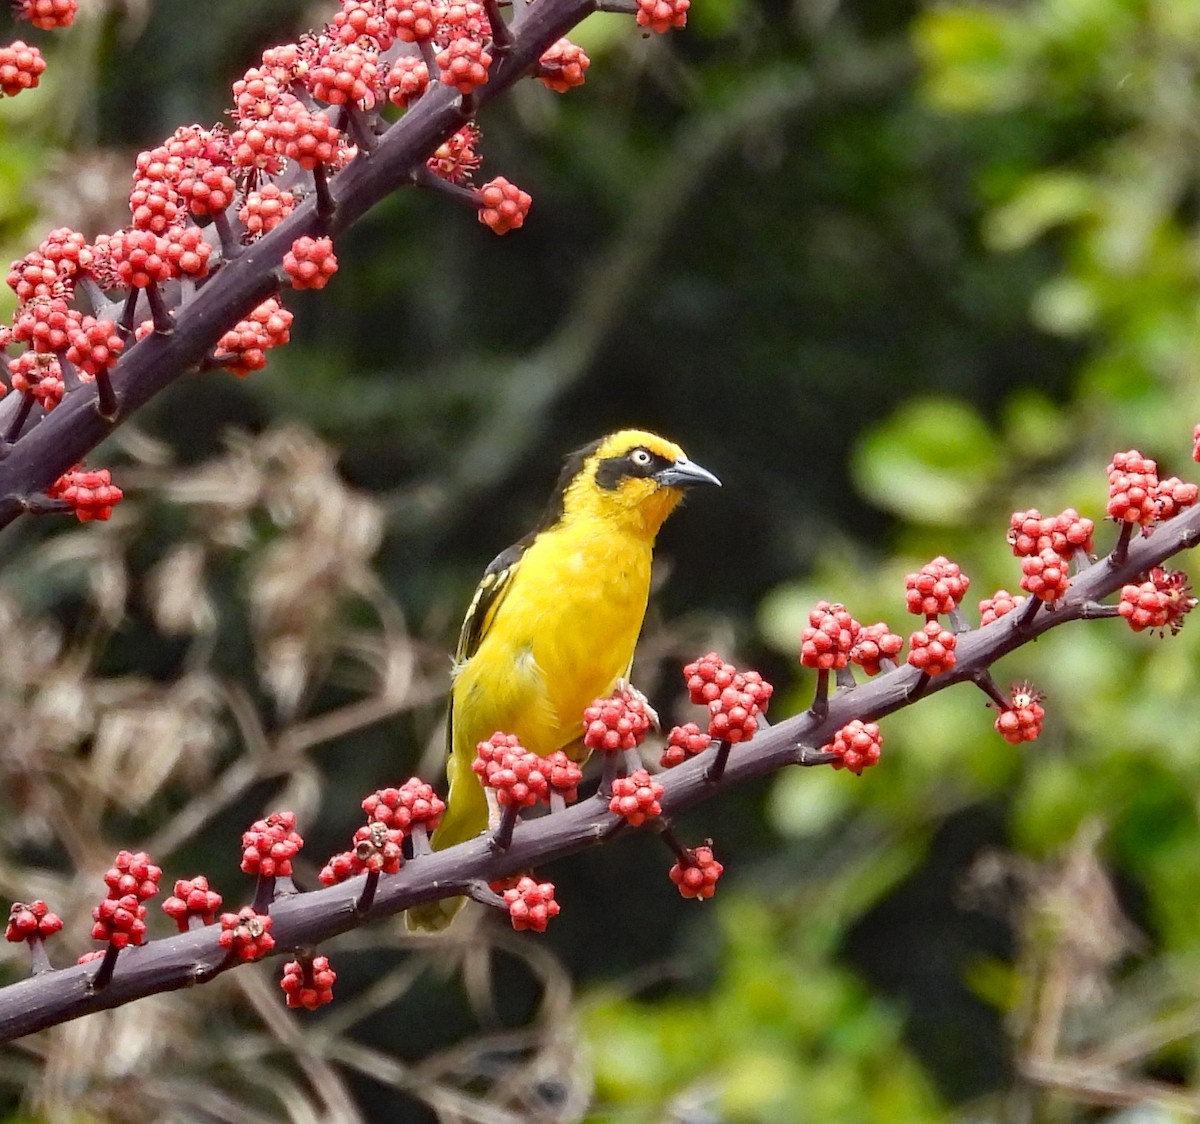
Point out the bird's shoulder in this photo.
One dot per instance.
(489, 593)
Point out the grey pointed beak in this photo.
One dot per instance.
(685, 474)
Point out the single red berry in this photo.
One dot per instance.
(616, 723)
(246, 934)
(563, 774)
(20, 67)
(828, 639)
(192, 898)
(563, 66)
(32, 920)
(937, 587)
(708, 677)
(1022, 721)
(1132, 484)
(310, 263)
(697, 876)
(874, 644)
(270, 845)
(531, 904)
(636, 797)
(1173, 495)
(858, 744)
(931, 649)
(308, 985)
(684, 742)
(1000, 604)
(502, 205)
(1046, 576)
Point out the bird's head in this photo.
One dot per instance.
(631, 478)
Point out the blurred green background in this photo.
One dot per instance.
(892, 271)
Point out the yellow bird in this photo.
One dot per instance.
(556, 617)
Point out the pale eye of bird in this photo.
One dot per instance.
(640, 457)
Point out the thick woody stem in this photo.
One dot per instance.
(502, 836)
(367, 898)
(104, 973)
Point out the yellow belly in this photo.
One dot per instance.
(562, 636)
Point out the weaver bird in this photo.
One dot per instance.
(555, 618)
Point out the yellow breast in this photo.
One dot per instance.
(563, 634)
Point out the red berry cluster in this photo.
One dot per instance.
(515, 774)
(1173, 495)
(1046, 575)
(192, 898)
(858, 744)
(1132, 488)
(464, 64)
(1000, 604)
(39, 376)
(90, 493)
(502, 205)
(243, 349)
(828, 639)
(310, 263)
(931, 649)
(263, 210)
(246, 935)
(662, 15)
(531, 904)
(1022, 721)
(32, 920)
(734, 698)
(563, 66)
(407, 80)
(457, 157)
(683, 742)
(636, 797)
(697, 874)
(120, 919)
(392, 814)
(46, 14)
(938, 587)
(270, 845)
(21, 67)
(1029, 533)
(616, 723)
(873, 644)
(414, 802)
(1160, 602)
(309, 983)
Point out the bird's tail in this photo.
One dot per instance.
(466, 815)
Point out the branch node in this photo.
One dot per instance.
(104, 974)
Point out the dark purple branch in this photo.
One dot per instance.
(307, 920)
(63, 438)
